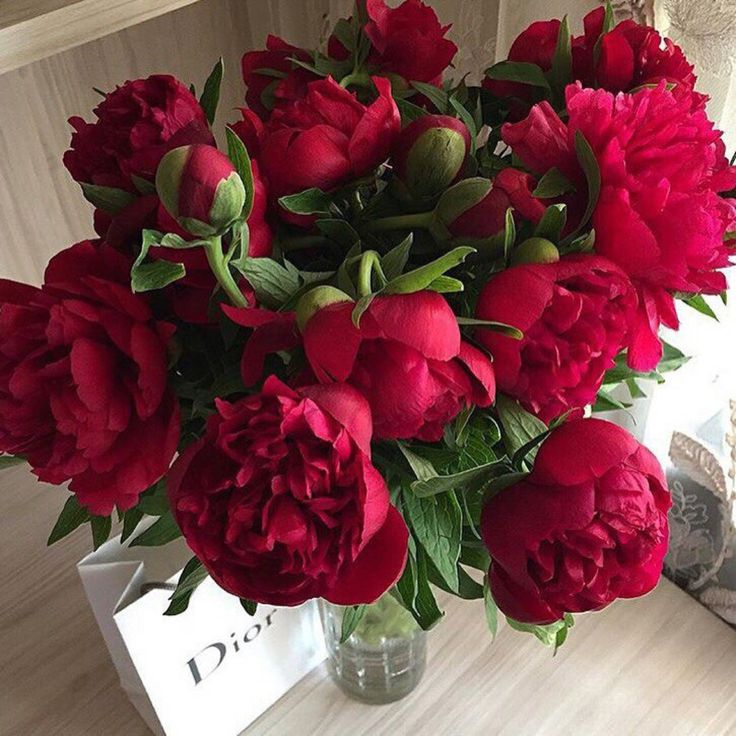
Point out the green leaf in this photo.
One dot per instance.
(500, 327)
(340, 231)
(672, 358)
(309, 202)
(521, 454)
(609, 21)
(445, 483)
(491, 608)
(518, 71)
(519, 426)
(422, 468)
(394, 262)
(107, 199)
(359, 309)
(698, 303)
(211, 92)
(425, 611)
(409, 111)
(509, 233)
(420, 278)
(546, 634)
(156, 274)
(8, 461)
(101, 528)
(605, 402)
(437, 526)
(476, 557)
(162, 531)
(143, 185)
(561, 71)
(238, 154)
(467, 118)
(131, 519)
(351, 617)
(504, 481)
(467, 588)
(191, 576)
(250, 607)
(589, 164)
(438, 97)
(552, 222)
(72, 516)
(635, 390)
(446, 285)
(553, 184)
(273, 283)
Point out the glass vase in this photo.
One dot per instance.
(384, 658)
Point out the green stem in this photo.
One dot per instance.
(369, 261)
(400, 222)
(356, 78)
(218, 264)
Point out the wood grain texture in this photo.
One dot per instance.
(34, 30)
(659, 665)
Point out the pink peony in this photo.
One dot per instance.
(659, 216)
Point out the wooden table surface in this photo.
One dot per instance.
(661, 665)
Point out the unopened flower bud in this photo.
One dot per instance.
(430, 153)
(316, 299)
(201, 189)
(473, 209)
(535, 250)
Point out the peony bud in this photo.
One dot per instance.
(430, 154)
(535, 250)
(201, 189)
(473, 209)
(316, 299)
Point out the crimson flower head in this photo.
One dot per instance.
(575, 316)
(281, 502)
(407, 358)
(266, 91)
(328, 138)
(136, 125)
(587, 526)
(408, 40)
(534, 45)
(83, 384)
(628, 56)
(659, 216)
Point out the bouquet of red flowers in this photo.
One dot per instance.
(356, 351)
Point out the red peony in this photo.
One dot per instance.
(136, 125)
(328, 138)
(408, 40)
(587, 526)
(658, 216)
(629, 55)
(83, 384)
(575, 317)
(406, 358)
(267, 91)
(534, 45)
(281, 503)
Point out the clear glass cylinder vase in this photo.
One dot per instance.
(384, 658)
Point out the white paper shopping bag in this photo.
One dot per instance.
(212, 669)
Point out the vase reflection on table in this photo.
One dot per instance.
(383, 659)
